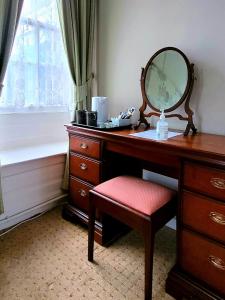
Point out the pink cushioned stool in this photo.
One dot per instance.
(141, 204)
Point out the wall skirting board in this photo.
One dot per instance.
(31, 187)
(10, 221)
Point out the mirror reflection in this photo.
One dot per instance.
(166, 80)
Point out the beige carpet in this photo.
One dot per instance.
(47, 259)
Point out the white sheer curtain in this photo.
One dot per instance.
(38, 76)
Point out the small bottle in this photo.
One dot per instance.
(162, 127)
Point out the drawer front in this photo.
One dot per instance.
(204, 215)
(79, 193)
(203, 259)
(85, 146)
(84, 168)
(206, 180)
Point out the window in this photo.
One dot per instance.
(37, 77)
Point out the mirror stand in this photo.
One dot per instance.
(147, 75)
(189, 112)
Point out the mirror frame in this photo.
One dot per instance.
(185, 97)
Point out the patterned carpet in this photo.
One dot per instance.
(47, 259)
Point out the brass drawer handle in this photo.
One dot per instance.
(218, 183)
(83, 166)
(217, 217)
(217, 262)
(82, 193)
(83, 146)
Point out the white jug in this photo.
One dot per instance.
(101, 105)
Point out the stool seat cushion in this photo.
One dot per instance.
(141, 195)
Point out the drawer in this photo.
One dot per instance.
(85, 146)
(84, 168)
(203, 259)
(79, 193)
(206, 180)
(204, 215)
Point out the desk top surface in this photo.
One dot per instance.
(210, 145)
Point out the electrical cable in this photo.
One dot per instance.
(29, 219)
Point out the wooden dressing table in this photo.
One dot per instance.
(197, 161)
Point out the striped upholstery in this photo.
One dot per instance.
(141, 195)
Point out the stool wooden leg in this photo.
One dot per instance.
(149, 250)
(91, 229)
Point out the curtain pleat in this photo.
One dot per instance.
(9, 17)
(77, 19)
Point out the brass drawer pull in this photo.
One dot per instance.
(83, 146)
(83, 166)
(218, 183)
(217, 217)
(82, 193)
(217, 262)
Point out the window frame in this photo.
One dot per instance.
(43, 107)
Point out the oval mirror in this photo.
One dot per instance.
(166, 82)
(166, 79)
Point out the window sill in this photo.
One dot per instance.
(34, 110)
(23, 154)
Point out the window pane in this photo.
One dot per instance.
(38, 74)
(29, 43)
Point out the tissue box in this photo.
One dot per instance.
(120, 122)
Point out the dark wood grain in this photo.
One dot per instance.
(85, 146)
(84, 168)
(193, 160)
(195, 260)
(196, 210)
(201, 146)
(204, 179)
(79, 193)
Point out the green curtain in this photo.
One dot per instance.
(9, 17)
(77, 19)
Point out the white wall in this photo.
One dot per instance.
(19, 130)
(131, 31)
